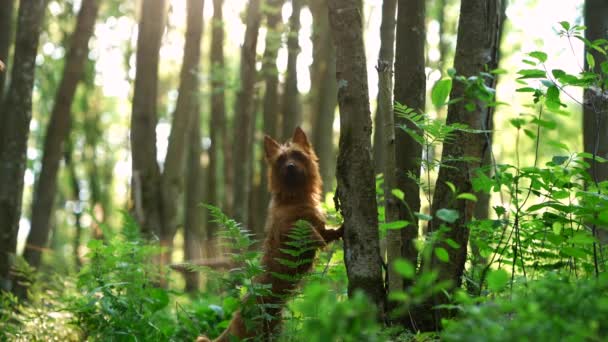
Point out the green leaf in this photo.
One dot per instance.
(423, 217)
(442, 254)
(448, 215)
(440, 92)
(590, 61)
(557, 228)
(531, 73)
(398, 193)
(451, 186)
(582, 238)
(404, 268)
(565, 25)
(452, 243)
(559, 160)
(394, 225)
(573, 252)
(552, 98)
(541, 56)
(525, 90)
(497, 280)
(467, 196)
(603, 216)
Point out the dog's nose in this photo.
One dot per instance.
(291, 167)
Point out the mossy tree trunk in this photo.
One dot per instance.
(15, 117)
(356, 192)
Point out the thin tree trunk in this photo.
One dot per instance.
(476, 50)
(482, 207)
(6, 35)
(14, 131)
(77, 210)
(394, 241)
(410, 90)
(595, 121)
(324, 93)
(58, 130)
(185, 110)
(595, 110)
(193, 233)
(146, 179)
(387, 55)
(271, 96)
(218, 195)
(292, 115)
(244, 115)
(356, 193)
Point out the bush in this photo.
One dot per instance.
(551, 309)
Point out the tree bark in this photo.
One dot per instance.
(185, 111)
(218, 195)
(6, 35)
(476, 48)
(193, 222)
(146, 178)
(387, 55)
(595, 122)
(394, 241)
(14, 131)
(58, 130)
(410, 90)
(356, 192)
(292, 115)
(244, 116)
(324, 92)
(271, 96)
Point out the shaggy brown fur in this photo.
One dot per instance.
(295, 187)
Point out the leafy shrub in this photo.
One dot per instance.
(552, 309)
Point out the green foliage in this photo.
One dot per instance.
(119, 299)
(321, 315)
(554, 308)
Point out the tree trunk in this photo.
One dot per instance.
(356, 193)
(292, 115)
(324, 92)
(410, 90)
(193, 233)
(14, 131)
(57, 132)
(387, 55)
(476, 50)
(217, 132)
(146, 178)
(271, 95)
(595, 122)
(78, 208)
(394, 241)
(185, 110)
(244, 116)
(6, 35)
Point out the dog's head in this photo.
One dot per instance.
(293, 166)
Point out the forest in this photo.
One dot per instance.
(303, 170)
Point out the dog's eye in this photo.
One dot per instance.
(298, 155)
(281, 159)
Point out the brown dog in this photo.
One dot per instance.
(295, 187)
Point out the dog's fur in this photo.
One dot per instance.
(295, 186)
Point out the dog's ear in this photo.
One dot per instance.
(299, 137)
(271, 147)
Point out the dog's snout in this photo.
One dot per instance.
(291, 167)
